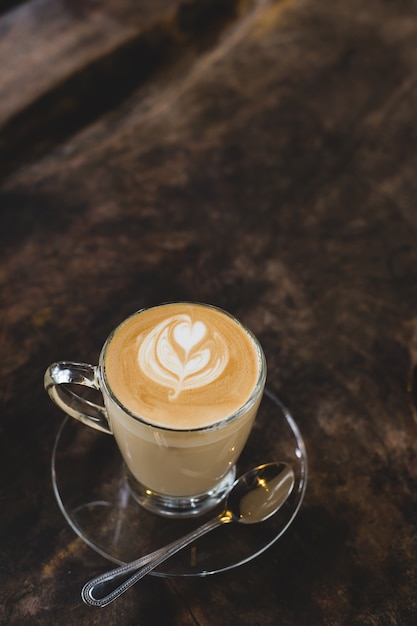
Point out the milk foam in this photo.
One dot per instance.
(182, 365)
(181, 354)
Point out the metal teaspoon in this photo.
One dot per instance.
(255, 497)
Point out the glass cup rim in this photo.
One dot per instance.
(258, 388)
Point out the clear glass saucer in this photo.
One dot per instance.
(89, 481)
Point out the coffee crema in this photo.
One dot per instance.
(182, 365)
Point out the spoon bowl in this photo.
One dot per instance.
(258, 494)
(254, 497)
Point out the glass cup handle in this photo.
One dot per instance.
(59, 375)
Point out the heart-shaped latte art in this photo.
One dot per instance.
(187, 335)
(181, 354)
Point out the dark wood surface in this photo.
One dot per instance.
(260, 156)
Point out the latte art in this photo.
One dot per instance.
(181, 354)
(182, 365)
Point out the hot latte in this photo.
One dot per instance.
(182, 365)
(181, 385)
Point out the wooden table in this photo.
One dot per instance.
(260, 156)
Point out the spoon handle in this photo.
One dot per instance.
(140, 567)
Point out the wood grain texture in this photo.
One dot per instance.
(80, 60)
(270, 172)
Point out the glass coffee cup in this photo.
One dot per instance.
(181, 385)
